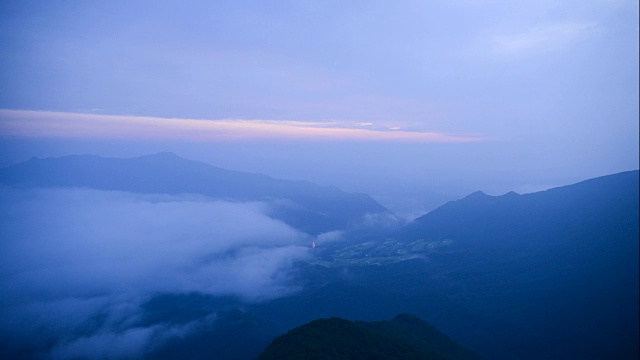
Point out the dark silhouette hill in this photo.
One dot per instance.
(304, 205)
(404, 337)
(561, 264)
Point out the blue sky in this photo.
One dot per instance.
(542, 92)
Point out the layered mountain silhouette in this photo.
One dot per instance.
(547, 275)
(561, 264)
(552, 274)
(404, 337)
(302, 204)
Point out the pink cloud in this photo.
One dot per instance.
(49, 124)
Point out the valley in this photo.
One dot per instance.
(552, 274)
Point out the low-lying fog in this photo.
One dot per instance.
(70, 256)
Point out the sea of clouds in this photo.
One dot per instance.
(77, 264)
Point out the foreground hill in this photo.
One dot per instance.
(404, 337)
(304, 205)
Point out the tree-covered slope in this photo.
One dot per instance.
(404, 337)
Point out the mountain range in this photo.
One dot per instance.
(306, 206)
(551, 274)
(563, 261)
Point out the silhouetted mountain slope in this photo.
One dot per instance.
(561, 264)
(372, 292)
(541, 211)
(404, 337)
(548, 275)
(301, 204)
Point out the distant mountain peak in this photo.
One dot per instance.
(309, 207)
(477, 195)
(165, 154)
(482, 205)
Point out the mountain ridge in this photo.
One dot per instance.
(310, 207)
(565, 253)
(479, 204)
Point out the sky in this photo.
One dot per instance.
(413, 102)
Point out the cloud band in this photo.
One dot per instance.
(49, 124)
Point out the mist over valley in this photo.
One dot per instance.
(142, 257)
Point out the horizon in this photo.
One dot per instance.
(414, 102)
(402, 210)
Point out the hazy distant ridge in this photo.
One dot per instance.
(307, 206)
(611, 198)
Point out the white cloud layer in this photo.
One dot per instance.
(49, 124)
(69, 255)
